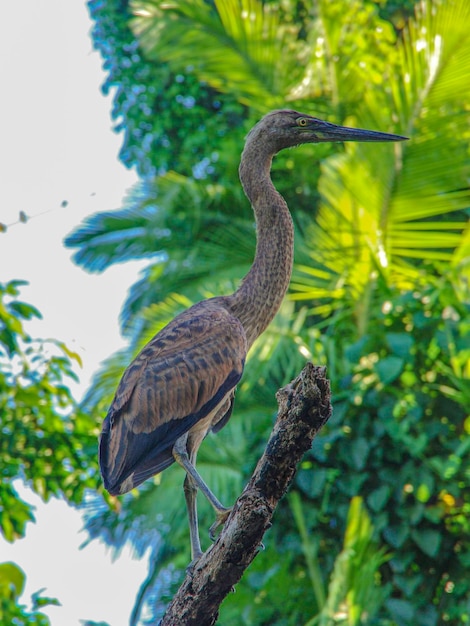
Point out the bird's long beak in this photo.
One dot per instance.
(331, 132)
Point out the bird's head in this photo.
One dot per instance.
(285, 129)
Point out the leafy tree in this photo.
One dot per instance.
(41, 444)
(161, 113)
(379, 291)
(12, 582)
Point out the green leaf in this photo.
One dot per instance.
(429, 541)
(396, 535)
(402, 610)
(377, 498)
(40, 601)
(359, 452)
(389, 368)
(400, 344)
(23, 310)
(12, 580)
(356, 350)
(310, 550)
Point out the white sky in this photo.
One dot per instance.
(56, 144)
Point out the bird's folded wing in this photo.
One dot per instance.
(178, 379)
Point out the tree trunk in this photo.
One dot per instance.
(304, 407)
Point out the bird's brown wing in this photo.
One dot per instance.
(180, 376)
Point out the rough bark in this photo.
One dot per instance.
(304, 407)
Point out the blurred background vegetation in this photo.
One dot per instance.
(376, 529)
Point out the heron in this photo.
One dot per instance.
(182, 384)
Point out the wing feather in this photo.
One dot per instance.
(183, 374)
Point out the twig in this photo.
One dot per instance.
(304, 407)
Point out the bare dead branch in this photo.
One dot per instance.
(304, 407)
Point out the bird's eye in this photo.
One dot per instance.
(301, 121)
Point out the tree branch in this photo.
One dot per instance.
(304, 407)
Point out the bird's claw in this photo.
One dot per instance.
(192, 565)
(220, 519)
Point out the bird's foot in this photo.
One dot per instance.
(192, 565)
(220, 519)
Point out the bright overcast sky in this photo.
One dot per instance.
(56, 145)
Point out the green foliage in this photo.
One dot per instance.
(12, 582)
(162, 113)
(42, 443)
(380, 289)
(354, 593)
(251, 34)
(310, 551)
(378, 215)
(399, 438)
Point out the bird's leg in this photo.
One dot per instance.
(181, 456)
(190, 493)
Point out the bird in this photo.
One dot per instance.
(182, 384)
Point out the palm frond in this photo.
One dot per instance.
(339, 66)
(380, 204)
(116, 236)
(240, 44)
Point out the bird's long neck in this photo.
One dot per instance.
(260, 294)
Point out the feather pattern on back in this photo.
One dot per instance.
(186, 372)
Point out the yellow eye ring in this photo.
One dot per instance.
(302, 121)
